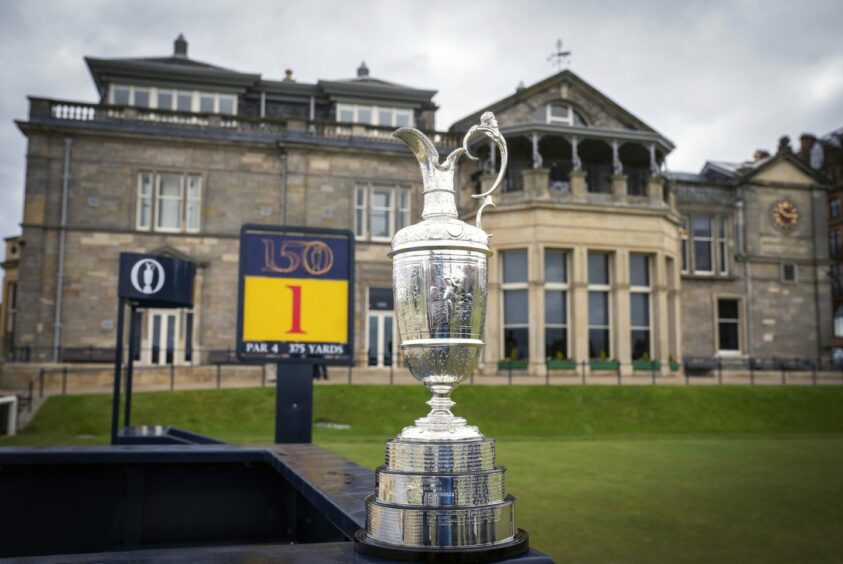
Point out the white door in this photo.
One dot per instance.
(380, 342)
(162, 338)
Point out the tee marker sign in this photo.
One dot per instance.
(296, 295)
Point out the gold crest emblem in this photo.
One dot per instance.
(785, 214)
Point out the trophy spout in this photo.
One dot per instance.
(440, 199)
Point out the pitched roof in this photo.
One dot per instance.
(524, 93)
(176, 68)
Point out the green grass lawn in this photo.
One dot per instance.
(602, 474)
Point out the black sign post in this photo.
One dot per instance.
(295, 308)
(144, 281)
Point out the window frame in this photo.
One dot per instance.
(648, 291)
(834, 208)
(553, 286)
(711, 239)
(363, 232)
(550, 119)
(723, 262)
(603, 288)
(183, 199)
(782, 269)
(375, 114)
(738, 322)
(153, 91)
(720, 231)
(684, 245)
(513, 286)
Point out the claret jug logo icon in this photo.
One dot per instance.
(147, 276)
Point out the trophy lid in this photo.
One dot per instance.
(440, 226)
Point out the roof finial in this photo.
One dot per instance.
(180, 46)
(559, 58)
(362, 70)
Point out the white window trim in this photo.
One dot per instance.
(375, 121)
(558, 287)
(592, 287)
(723, 263)
(150, 197)
(712, 224)
(643, 290)
(158, 198)
(174, 92)
(363, 232)
(739, 320)
(551, 119)
(685, 245)
(154, 198)
(379, 314)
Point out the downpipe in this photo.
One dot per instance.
(65, 185)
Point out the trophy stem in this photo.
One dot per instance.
(441, 402)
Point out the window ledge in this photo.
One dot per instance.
(712, 277)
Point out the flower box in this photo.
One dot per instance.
(605, 365)
(561, 364)
(645, 365)
(512, 364)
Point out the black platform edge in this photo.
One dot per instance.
(162, 435)
(519, 546)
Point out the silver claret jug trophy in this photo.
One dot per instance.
(440, 497)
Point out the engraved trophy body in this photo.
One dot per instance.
(440, 496)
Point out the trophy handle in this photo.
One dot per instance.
(489, 127)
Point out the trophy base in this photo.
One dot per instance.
(516, 547)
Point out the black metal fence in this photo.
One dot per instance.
(737, 370)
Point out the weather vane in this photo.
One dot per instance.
(559, 57)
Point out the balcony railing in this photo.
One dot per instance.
(42, 109)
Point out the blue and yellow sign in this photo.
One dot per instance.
(296, 294)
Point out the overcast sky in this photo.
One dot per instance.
(719, 79)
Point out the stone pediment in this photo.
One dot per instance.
(526, 105)
(783, 172)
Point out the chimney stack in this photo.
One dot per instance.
(806, 143)
(760, 154)
(180, 46)
(362, 70)
(288, 75)
(784, 145)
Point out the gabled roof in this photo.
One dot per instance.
(525, 93)
(784, 154)
(745, 171)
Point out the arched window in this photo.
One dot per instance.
(559, 114)
(838, 321)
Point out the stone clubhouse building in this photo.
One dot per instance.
(601, 253)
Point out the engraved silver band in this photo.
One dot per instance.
(457, 528)
(440, 456)
(443, 490)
